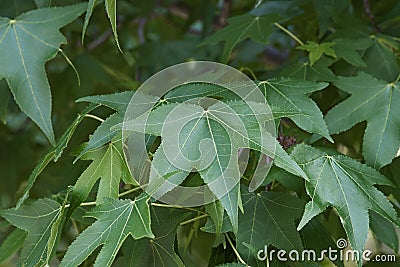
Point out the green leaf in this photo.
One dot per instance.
(108, 164)
(374, 101)
(118, 101)
(103, 133)
(384, 231)
(116, 220)
(241, 27)
(317, 50)
(347, 49)
(11, 244)
(228, 127)
(41, 219)
(157, 251)
(289, 98)
(346, 185)
(54, 154)
(111, 8)
(216, 212)
(304, 71)
(31, 40)
(268, 220)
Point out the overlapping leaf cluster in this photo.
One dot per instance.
(334, 100)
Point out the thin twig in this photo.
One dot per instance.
(194, 219)
(371, 16)
(94, 117)
(234, 250)
(289, 33)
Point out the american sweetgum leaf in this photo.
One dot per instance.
(30, 40)
(376, 102)
(290, 98)
(347, 185)
(41, 219)
(317, 50)
(116, 220)
(241, 27)
(268, 220)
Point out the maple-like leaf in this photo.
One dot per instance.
(376, 102)
(241, 27)
(116, 220)
(226, 129)
(41, 219)
(108, 163)
(289, 98)
(268, 219)
(27, 43)
(347, 185)
(317, 50)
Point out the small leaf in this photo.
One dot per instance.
(241, 27)
(317, 50)
(268, 220)
(31, 40)
(116, 220)
(41, 220)
(108, 164)
(347, 49)
(346, 185)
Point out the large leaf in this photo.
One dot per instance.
(41, 219)
(241, 27)
(289, 98)
(116, 220)
(227, 127)
(374, 101)
(268, 220)
(346, 185)
(30, 40)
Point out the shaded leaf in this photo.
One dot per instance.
(12, 244)
(32, 39)
(116, 220)
(268, 220)
(241, 27)
(41, 220)
(346, 185)
(118, 101)
(384, 230)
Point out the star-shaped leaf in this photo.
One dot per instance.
(317, 50)
(348, 50)
(208, 140)
(346, 185)
(376, 102)
(27, 43)
(268, 220)
(241, 27)
(41, 219)
(289, 98)
(108, 163)
(116, 220)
